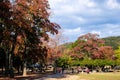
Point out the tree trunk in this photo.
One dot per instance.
(55, 70)
(55, 67)
(7, 64)
(25, 69)
(2, 69)
(25, 62)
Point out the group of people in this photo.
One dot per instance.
(73, 70)
(79, 69)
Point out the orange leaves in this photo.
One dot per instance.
(35, 7)
(20, 39)
(35, 12)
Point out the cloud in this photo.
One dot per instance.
(110, 30)
(95, 32)
(72, 31)
(78, 17)
(113, 4)
(104, 30)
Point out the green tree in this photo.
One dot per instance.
(64, 61)
(117, 55)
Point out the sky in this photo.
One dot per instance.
(79, 17)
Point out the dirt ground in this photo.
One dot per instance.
(48, 76)
(59, 77)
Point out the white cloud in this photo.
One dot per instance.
(113, 4)
(95, 32)
(104, 30)
(71, 7)
(112, 26)
(76, 11)
(72, 31)
(110, 30)
(79, 17)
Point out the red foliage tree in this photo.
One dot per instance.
(28, 20)
(24, 23)
(91, 46)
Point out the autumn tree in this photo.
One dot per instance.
(104, 52)
(90, 46)
(23, 23)
(55, 48)
(55, 44)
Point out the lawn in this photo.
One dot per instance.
(100, 76)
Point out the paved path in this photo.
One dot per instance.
(60, 77)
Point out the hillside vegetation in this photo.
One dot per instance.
(113, 41)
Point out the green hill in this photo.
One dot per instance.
(113, 41)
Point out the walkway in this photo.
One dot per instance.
(60, 77)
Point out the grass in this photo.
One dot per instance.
(100, 76)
